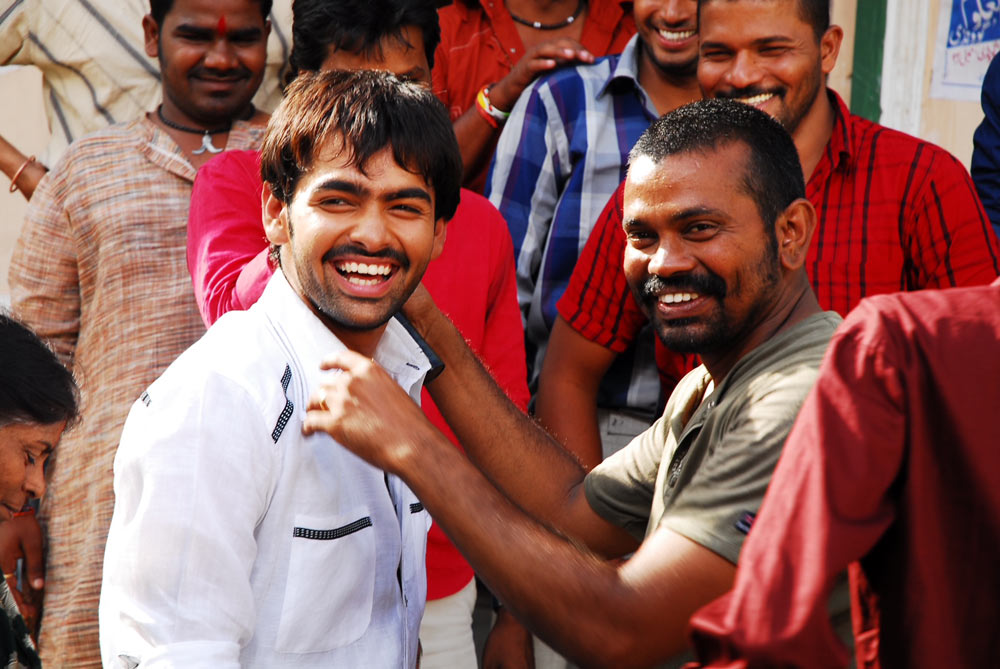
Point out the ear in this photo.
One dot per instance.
(794, 230)
(440, 234)
(829, 48)
(275, 217)
(151, 36)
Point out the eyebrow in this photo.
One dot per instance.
(193, 30)
(762, 41)
(408, 194)
(681, 216)
(342, 185)
(353, 188)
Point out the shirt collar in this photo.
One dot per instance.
(841, 139)
(398, 351)
(627, 67)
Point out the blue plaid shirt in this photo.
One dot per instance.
(562, 154)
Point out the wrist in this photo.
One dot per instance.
(493, 115)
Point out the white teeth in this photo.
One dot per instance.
(675, 36)
(756, 99)
(674, 298)
(362, 268)
(361, 282)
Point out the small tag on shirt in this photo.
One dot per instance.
(745, 522)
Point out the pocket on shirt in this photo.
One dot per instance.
(330, 585)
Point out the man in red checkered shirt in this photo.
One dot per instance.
(895, 212)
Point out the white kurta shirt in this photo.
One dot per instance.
(237, 541)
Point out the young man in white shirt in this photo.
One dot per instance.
(237, 541)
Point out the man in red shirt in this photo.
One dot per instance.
(895, 212)
(473, 280)
(893, 461)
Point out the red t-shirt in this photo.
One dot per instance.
(472, 281)
(893, 461)
(895, 213)
(480, 45)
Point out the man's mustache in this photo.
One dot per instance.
(709, 285)
(355, 250)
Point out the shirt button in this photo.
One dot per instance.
(512, 50)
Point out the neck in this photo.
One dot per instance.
(795, 303)
(360, 341)
(814, 131)
(173, 113)
(540, 10)
(667, 90)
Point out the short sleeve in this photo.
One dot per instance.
(226, 247)
(621, 488)
(598, 303)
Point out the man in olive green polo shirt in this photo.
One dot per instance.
(718, 228)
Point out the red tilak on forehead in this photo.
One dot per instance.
(221, 28)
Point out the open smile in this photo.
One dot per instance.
(675, 39)
(680, 304)
(366, 279)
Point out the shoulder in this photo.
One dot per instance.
(883, 146)
(477, 214)
(230, 164)
(568, 79)
(786, 367)
(102, 147)
(970, 311)
(238, 351)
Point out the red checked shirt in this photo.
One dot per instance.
(480, 46)
(895, 213)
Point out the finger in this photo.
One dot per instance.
(318, 421)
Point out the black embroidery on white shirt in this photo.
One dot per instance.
(286, 413)
(416, 507)
(326, 535)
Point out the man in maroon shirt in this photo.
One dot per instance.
(893, 461)
(895, 212)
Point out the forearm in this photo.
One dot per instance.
(538, 473)
(589, 609)
(11, 163)
(476, 140)
(566, 404)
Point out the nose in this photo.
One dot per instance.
(221, 56)
(678, 12)
(744, 71)
(370, 231)
(670, 258)
(34, 480)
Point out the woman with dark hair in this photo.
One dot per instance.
(38, 399)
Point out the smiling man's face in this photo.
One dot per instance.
(764, 53)
(355, 243)
(212, 56)
(699, 259)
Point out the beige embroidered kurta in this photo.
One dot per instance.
(100, 271)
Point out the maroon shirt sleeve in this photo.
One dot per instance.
(227, 250)
(815, 518)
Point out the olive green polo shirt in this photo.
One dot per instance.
(703, 467)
